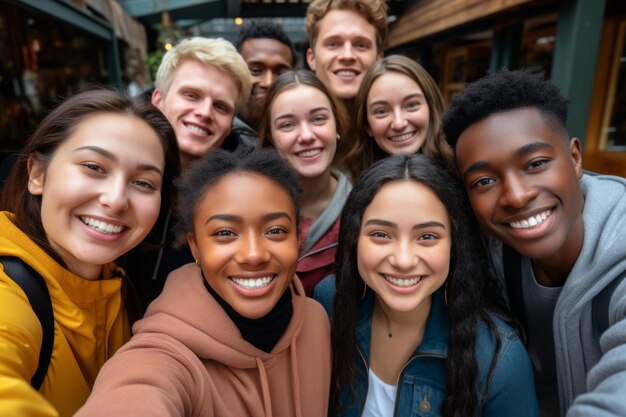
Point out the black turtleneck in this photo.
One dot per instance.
(264, 332)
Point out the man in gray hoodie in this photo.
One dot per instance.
(557, 237)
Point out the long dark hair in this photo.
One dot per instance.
(471, 291)
(54, 130)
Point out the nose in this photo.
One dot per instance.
(204, 108)
(266, 79)
(252, 251)
(405, 257)
(399, 121)
(516, 191)
(114, 195)
(346, 51)
(306, 134)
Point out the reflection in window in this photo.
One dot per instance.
(615, 129)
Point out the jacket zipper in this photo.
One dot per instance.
(318, 250)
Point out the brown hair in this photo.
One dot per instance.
(374, 11)
(364, 150)
(293, 79)
(55, 129)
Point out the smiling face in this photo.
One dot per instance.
(101, 191)
(245, 238)
(266, 59)
(404, 245)
(200, 104)
(345, 48)
(522, 176)
(303, 130)
(397, 114)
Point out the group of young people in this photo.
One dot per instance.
(311, 243)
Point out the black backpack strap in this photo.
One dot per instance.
(36, 290)
(512, 264)
(600, 306)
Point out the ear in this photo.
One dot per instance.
(310, 58)
(191, 240)
(576, 155)
(36, 176)
(381, 54)
(157, 99)
(368, 130)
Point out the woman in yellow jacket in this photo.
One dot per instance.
(88, 187)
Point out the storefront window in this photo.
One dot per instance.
(614, 129)
(41, 61)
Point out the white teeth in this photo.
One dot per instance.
(401, 138)
(403, 282)
(254, 283)
(197, 129)
(346, 73)
(533, 221)
(308, 154)
(102, 227)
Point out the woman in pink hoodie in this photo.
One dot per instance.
(234, 334)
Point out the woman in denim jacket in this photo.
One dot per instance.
(419, 327)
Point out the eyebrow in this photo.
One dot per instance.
(523, 150)
(410, 96)
(238, 219)
(111, 156)
(315, 110)
(424, 225)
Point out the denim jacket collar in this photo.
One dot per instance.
(435, 339)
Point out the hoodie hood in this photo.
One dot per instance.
(187, 312)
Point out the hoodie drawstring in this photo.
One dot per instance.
(295, 378)
(267, 401)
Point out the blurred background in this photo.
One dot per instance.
(50, 49)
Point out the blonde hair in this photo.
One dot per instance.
(217, 52)
(374, 11)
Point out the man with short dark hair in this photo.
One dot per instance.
(557, 236)
(268, 52)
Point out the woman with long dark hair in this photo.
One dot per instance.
(418, 324)
(87, 188)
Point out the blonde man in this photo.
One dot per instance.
(346, 37)
(200, 86)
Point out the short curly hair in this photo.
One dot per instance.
(374, 11)
(502, 91)
(196, 181)
(265, 29)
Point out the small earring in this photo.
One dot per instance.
(364, 291)
(197, 262)
(338, 137)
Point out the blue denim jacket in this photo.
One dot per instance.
(510, 390)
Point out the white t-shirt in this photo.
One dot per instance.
(381, 398)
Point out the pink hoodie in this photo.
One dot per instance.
(187, 358)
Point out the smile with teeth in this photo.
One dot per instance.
(401, 138)
(403, 282)
(197, 129)
(100, 226)
(254, 283)
(346, 73)
(309, 153)
(532, 221)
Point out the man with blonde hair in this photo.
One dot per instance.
(346, 37)
(200, 85)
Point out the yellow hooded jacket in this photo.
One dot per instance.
(90, 324)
